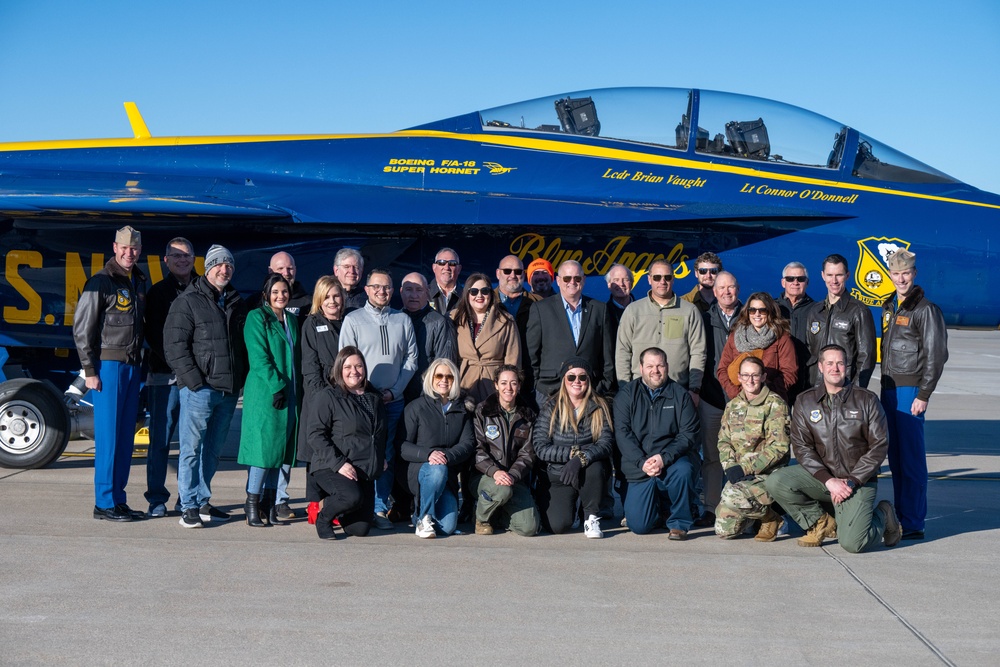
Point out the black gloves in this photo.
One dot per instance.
(570, 475)
(734, 474)
(278, 400)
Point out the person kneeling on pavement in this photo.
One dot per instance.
(657, 433)
(346, 427)
(753, 442)
(839, 437)
(504, 456)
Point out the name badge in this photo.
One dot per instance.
(902, 320)
(321, 328)
(843, 325)
(853, 414)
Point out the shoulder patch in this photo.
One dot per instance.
(492, 431)
(815, 416)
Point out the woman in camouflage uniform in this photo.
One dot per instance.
(753, 442)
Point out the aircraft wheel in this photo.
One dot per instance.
(34, 424)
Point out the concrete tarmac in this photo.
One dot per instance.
(76, 591)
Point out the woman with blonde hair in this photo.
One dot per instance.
(573, 440)
(437, 441)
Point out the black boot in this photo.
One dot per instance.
(252, 510)
(265, 506)
(324, 525)
(272, 508)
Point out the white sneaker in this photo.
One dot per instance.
(425, 527)
(592, 527)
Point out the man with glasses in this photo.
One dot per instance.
(445, 295)
(656, 434)
(839, 438)
(164, 394)
(706, 268)
(386, 338)
(794, 304)
(434, 332)
(511, 293)
(842, 320)
(566, 325)
(348, 268)
(663, 320)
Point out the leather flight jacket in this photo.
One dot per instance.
(914, 343)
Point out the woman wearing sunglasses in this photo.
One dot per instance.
(760, 331)
(345, 424)
(573, 440)
(437, 441)
(487, 337)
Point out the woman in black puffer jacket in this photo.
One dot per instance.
(573, 440)
(346, 425)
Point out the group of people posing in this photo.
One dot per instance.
(514, 408)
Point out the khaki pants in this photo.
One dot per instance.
(859, 526)
(513, 506)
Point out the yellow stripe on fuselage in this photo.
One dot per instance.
(525, 143)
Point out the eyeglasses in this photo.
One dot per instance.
(379, 288)
(446, 262)
(516, 272)
(661, 279)
(751, 376)
(349, 267)
(754, 311)
(442, 376)
(795, 279)
(574, 279)
(476, 291)
(182, 255)
(583, 377)
(703, 272)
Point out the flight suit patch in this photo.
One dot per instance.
(492, 431)
(815, 416)
(814, 328)
(843, 325)
(903, 320)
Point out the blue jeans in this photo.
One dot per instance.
(642, 504)
(164, 414)
(259, 479)
(115, 409)
(436, 499)
(907, 456)
(205, 418)
(383, 484)
(284, 476)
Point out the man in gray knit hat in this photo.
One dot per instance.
(210, 368)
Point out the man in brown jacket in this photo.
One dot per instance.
(839, 437)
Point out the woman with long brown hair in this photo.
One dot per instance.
(760, 331)
(487, 337)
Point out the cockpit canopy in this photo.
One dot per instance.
(728, 126)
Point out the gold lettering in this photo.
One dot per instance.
(601, 261)
(33, 313)
(76, 278)
(154, 270)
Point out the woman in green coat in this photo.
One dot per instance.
(270, 397)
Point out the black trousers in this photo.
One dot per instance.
(353, 502)
(557, 501)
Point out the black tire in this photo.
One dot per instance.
(34, 424)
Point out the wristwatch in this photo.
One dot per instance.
(851, 484)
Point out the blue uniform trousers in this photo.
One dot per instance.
(115, 410)
(907, 457)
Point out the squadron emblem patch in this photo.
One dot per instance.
(814, 328)
(492, 431)
(815, 416)
(124, 300)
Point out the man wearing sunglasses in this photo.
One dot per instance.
(445, 295)
(569, 324)
(664, 320)
(517, 300)
(842, 320)
(706, 268)
(794, 304)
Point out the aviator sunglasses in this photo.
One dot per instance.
(582, 377)
(516, 272)
(713, 271)
(795, 279)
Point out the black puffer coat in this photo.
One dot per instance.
(554, 450)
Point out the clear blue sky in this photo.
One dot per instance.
(919, 76)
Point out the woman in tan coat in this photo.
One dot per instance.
(487, 337)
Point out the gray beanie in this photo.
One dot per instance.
(218, 255)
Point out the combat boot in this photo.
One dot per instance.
(824, 528)
(769, 526)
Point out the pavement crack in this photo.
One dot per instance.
(899, 617)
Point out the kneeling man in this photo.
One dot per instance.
(839, 438)
(753, 442)
(656, 428)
